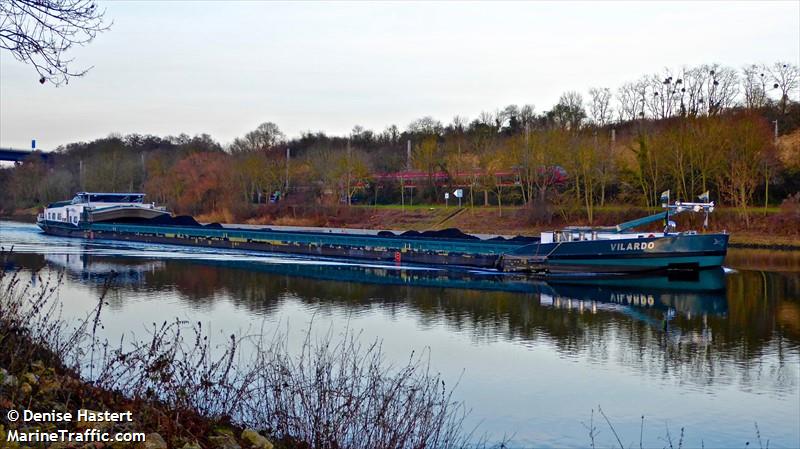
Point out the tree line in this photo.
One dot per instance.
(707, 128)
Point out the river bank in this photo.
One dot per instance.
(47, 386)
(36, 377)
(180, 390)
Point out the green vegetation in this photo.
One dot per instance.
(708, 128)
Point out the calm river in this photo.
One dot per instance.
(713, 356)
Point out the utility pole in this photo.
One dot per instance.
(776, 131)
(408, 155)
(458, 168)
(288, 157)
(402, 194)
(766, 170)
(527, 133)
(402, 178)
(349, 163)
(525, 182)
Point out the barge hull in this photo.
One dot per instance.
(617, 265)
(466, 253)
(636, 254)
(672, 252)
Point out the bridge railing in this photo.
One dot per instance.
(19, 155)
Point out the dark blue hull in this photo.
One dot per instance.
(680, 251)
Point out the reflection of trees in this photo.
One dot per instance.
(763, 260)
(694, 348)
(750, 340)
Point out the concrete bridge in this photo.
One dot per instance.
(18, 155)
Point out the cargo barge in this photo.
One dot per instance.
(609, 250)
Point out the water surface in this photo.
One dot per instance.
(713, 355)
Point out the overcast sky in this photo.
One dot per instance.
(222, 67)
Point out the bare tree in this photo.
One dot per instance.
(390, 135)
(627, 102)
(362, 137)
(352, 172)
(458, 126)
(600, 105)
(754, 84)
(632, 97)
(486, 118)
(40, 32)
(527, 116)
(692, 102)
(263, 138)
(427, 126)
(721, 88)
(500, 119)
(510, 118)
(746, 142)
(459, 123)
(785, 77)
(568, 113)
(664, 94)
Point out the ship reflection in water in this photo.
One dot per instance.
(688, 294)
(736, 309)
(102, 271)
(651, 299)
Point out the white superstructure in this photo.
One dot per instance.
(97, 206)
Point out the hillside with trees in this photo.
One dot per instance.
(708, 128)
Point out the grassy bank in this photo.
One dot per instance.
(184, 391)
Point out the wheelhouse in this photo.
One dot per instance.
(92, 207)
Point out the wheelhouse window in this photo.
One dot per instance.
(115, 198)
